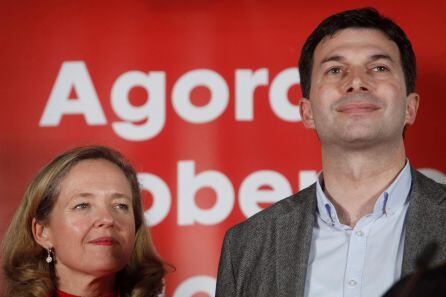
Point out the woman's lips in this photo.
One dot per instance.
(357, 108)
(106, 240)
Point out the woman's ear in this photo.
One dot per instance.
(41, 234)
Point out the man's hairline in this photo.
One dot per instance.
(332, 35)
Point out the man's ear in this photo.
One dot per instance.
(413, 100)
(306, 113)
(41, 234)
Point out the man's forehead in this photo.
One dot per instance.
(371, 42)
(370, 57)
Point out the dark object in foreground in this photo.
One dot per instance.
(424, 282)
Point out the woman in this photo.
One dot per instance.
(80, 231)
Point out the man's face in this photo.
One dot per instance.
(358, 92)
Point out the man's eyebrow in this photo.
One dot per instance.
(381, 56)
(335, 58)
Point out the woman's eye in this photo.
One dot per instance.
(81, 206)
(122, 206)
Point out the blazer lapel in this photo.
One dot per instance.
(294, 232)
(425, 223)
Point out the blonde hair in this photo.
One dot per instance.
(25, 271)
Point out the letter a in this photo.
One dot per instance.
(73, 75)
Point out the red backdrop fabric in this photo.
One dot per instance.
(200, 95)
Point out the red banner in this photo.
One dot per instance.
(200, 95)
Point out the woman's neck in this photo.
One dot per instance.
(79, 284)
(65, 294)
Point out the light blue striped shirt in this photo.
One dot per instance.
(363, 261)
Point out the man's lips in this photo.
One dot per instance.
(360, 107)
(105, 240)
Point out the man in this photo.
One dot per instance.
(361, 226)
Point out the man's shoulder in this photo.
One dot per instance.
(427, 186)
(262, 221)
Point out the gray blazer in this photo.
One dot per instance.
(267, 255)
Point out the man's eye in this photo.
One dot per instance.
(334, 70)
(81, 206)
(380, 68)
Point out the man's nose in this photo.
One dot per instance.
(357, 80)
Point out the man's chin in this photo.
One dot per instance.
(356, 141)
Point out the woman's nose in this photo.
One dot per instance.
(104, 217)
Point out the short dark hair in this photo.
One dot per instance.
(357, 18)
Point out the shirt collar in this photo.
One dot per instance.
(394, 197)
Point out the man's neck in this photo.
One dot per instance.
(353, 181)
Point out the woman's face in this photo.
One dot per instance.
(92, 225)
